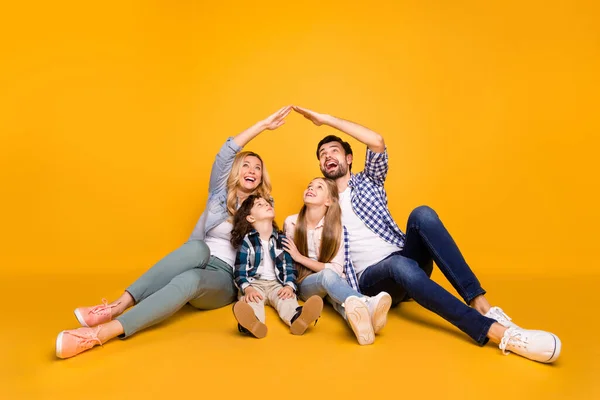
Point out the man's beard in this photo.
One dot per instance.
(340, 171)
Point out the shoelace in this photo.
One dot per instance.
(512, 337)
(500, 312)
(85, 339)
(102, 308)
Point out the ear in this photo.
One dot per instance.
(328, 202)
(250, 219)
(349, 158)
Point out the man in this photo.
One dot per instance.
(386, 259)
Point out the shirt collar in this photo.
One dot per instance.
(254, 232)
(351, 181)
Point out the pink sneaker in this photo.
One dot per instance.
(92, 316)
(70, 343)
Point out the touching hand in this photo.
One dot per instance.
(291, 248)
(285, 292)
(277, 119)
(314, 117)
(251, 295)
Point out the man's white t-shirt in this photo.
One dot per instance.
(366, 247)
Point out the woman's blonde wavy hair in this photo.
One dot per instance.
(233, 181)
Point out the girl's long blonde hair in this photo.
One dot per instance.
(233, 181)
(332, 227)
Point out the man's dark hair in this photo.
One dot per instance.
(332, 138)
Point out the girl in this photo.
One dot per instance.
(319, 247)
(265, 273)
(199, 272)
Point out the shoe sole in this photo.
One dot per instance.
(244, 314)
(380, 314)
(557, 348)
(80, 318)
(359, 320)
(59, 345)
(311, 311)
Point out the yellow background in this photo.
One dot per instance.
(111, 114)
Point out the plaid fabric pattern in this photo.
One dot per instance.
(249, 256)
(369, 199)
(348, 266)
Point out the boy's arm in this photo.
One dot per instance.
(291, 274)
(242, 262)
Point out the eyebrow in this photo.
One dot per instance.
(333, 146)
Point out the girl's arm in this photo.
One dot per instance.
(309, 263)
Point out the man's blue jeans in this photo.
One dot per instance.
(406, 274)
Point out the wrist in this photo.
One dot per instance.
(327, 119)
(245, 288)
(261, 126)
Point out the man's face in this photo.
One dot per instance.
(333, 160)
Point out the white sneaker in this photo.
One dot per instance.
(378, 308)
(536, 345)
(500, 316)
(359, 319)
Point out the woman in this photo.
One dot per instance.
(319, 246)
(199, 272)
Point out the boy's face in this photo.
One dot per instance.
(261, 210)
(333, 160)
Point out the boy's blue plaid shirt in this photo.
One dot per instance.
(249, 256)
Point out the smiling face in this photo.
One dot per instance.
(333, 160)
(261, 210)
(317, 193)
(250, 174)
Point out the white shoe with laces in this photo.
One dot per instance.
(378, 309)
(538, 346)
(500, 316)
(357, 315)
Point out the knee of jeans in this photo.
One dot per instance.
(408, 272)
(187, 283)
(328, 277)
(200, 250)
(423, 214)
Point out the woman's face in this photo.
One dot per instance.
(250, 174)
(317, 193)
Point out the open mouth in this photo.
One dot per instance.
(331, 164)
(250, 179)
(310, 194)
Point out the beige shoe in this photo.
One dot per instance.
(247, 321)
(306, 315)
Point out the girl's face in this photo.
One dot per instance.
(317, 193)
(261, 210)
(250, 174)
